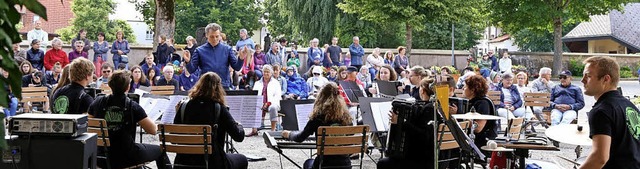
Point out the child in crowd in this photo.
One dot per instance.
(347, 59)
(333, 74)
(293, 59)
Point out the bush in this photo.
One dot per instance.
(576, 66)
(626, 73)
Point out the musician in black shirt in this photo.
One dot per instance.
(201, 109)
(476, 88)
(614, 121)
(329, 109)
(419, 138)
(71, 98)
(122, 114)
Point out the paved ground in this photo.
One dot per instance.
(256, 145)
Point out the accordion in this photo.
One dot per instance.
(397, 141)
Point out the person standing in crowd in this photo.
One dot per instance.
(270, 90)
(71, 99)
(386, 73)
(494, 61)
(328, 110)
(388, 57)
(259, 60)
(137, 79)
(485, 66)
(119, 49)
(168, 79)
(55, 75)
(510, 101)
(566, 100)
(334, 53)
(100, 52)
(416, 74)
(214, 57)
(476, 89)
(245, 41)
(192, 44)
(124, 151)
(207, 105)
(542, 84)
(314, 54)
(316, 82)
(19, 54)
(187, 80)
(613, 121)
(401, 62)
(82, 37)
(107, 70)
(375, 62)
(38, 33)
(326, 60)
(296, 86)
(35, 55)
(283, 51)
(273, 56)
(163, 52)
(55, 54)
(78, 51)
(505, 63)
(357, 52)
(149, 64)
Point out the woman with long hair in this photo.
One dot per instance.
(64, 80)
(151, 74)
(137, 79)
(386, 73)
(329, 109)
(388, 57)
(204, 97)
(26, 68)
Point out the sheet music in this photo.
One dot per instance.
(170, 112)
(380, 114)
(156, 108)
(246, 109)
(140, 92)
(302, 113)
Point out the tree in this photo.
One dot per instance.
(535, 40)
(9, 17)
(438, 35)
(410, 13)
(93, 16)
(165, 20)
(549, 15)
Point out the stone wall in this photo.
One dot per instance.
(536, 60)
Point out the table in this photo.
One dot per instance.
(522, 150)
(54, 152)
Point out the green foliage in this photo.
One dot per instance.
(9, 17)
(437, 35)
(576, 66)
(626, 72)
(535, 40)
(93, 16)
(232, 15)
(148, 10)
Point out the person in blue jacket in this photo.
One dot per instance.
(296, 86)
(187, 80)
(214, 56)
(510, 101)
(357, 52)
(566, 100)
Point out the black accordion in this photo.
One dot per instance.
(397, 140)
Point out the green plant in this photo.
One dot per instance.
(626, 73)
(576, 66)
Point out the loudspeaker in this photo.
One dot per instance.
(51, 152)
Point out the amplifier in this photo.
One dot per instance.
(61, 125)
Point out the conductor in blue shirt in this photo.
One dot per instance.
(214, 56)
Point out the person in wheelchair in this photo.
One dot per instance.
(329, 109)
(207, 106)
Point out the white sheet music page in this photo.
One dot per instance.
(170, 111)
(302, 112)
(380, 111)
(157, 109)
(246, 109)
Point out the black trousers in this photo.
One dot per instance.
(396, 163)
(233, 161)
(145, 153)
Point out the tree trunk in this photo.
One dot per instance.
(408, 39)
(557, 45)
(165, 21)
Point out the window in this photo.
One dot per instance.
(149, 35)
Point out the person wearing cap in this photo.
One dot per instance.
(494, 80)
(296, 86)
(510, 101)
(566, 100)
(316, 82)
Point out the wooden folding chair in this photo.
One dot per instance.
(541, 100)
(514, 128)
(187, 139)
(99, 126)
(34, 94)
(105, 89)
(341, 140)
(494, 96)
(162, 90)
(447, 141)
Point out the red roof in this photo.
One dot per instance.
(59, 14)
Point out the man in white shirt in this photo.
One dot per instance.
(38, 33)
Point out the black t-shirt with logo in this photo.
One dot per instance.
(616, 116)
(70, 99)
(121, 115)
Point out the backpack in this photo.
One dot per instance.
(107, 110)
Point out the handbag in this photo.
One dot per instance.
(124, 59)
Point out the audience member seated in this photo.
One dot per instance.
(328, 110)
(386, 73)
(53, 77)
(342, 73)
(151, 75)
(168, 79)
(149, 64)
(259, 60)
(494, 80)
(124, 151)
(316, 82)
(522, 80)
(566, 100)
(71, 98)
(137, 79)
(187, 80)
(364, 76)
(416, 74)
(13, 101)
(278, 75)
(107, 69)
(201, 109)
(542, 84)
(34, 79)
(460, 83)
(296, 86)
(333, 74)
(270, 90)
(510, 100)
(26, 68)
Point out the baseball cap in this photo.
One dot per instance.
(317, 69)
(352, 69)
(566, 73)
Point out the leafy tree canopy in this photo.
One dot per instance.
(93, 16)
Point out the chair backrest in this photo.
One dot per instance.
(447, 139)
(537, 99)
(106, 89)
(515, 128)
(186, 139)
(34, 94)
(99, 126)
(494, 96)
(162, 90)
(459, 93)
(341, 140)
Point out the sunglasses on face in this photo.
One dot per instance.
(106, 71)
(79, 46)
(563, 77)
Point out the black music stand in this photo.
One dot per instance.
(367, 118)
(352, 90)
(229, 142)
(290, 119)
(388, 88)
(466, 144)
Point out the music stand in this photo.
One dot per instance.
(240, 92)
(229, 142)
(463, 140)
(388, 88)
(290, 119)
(352, 90)
(367, 112)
